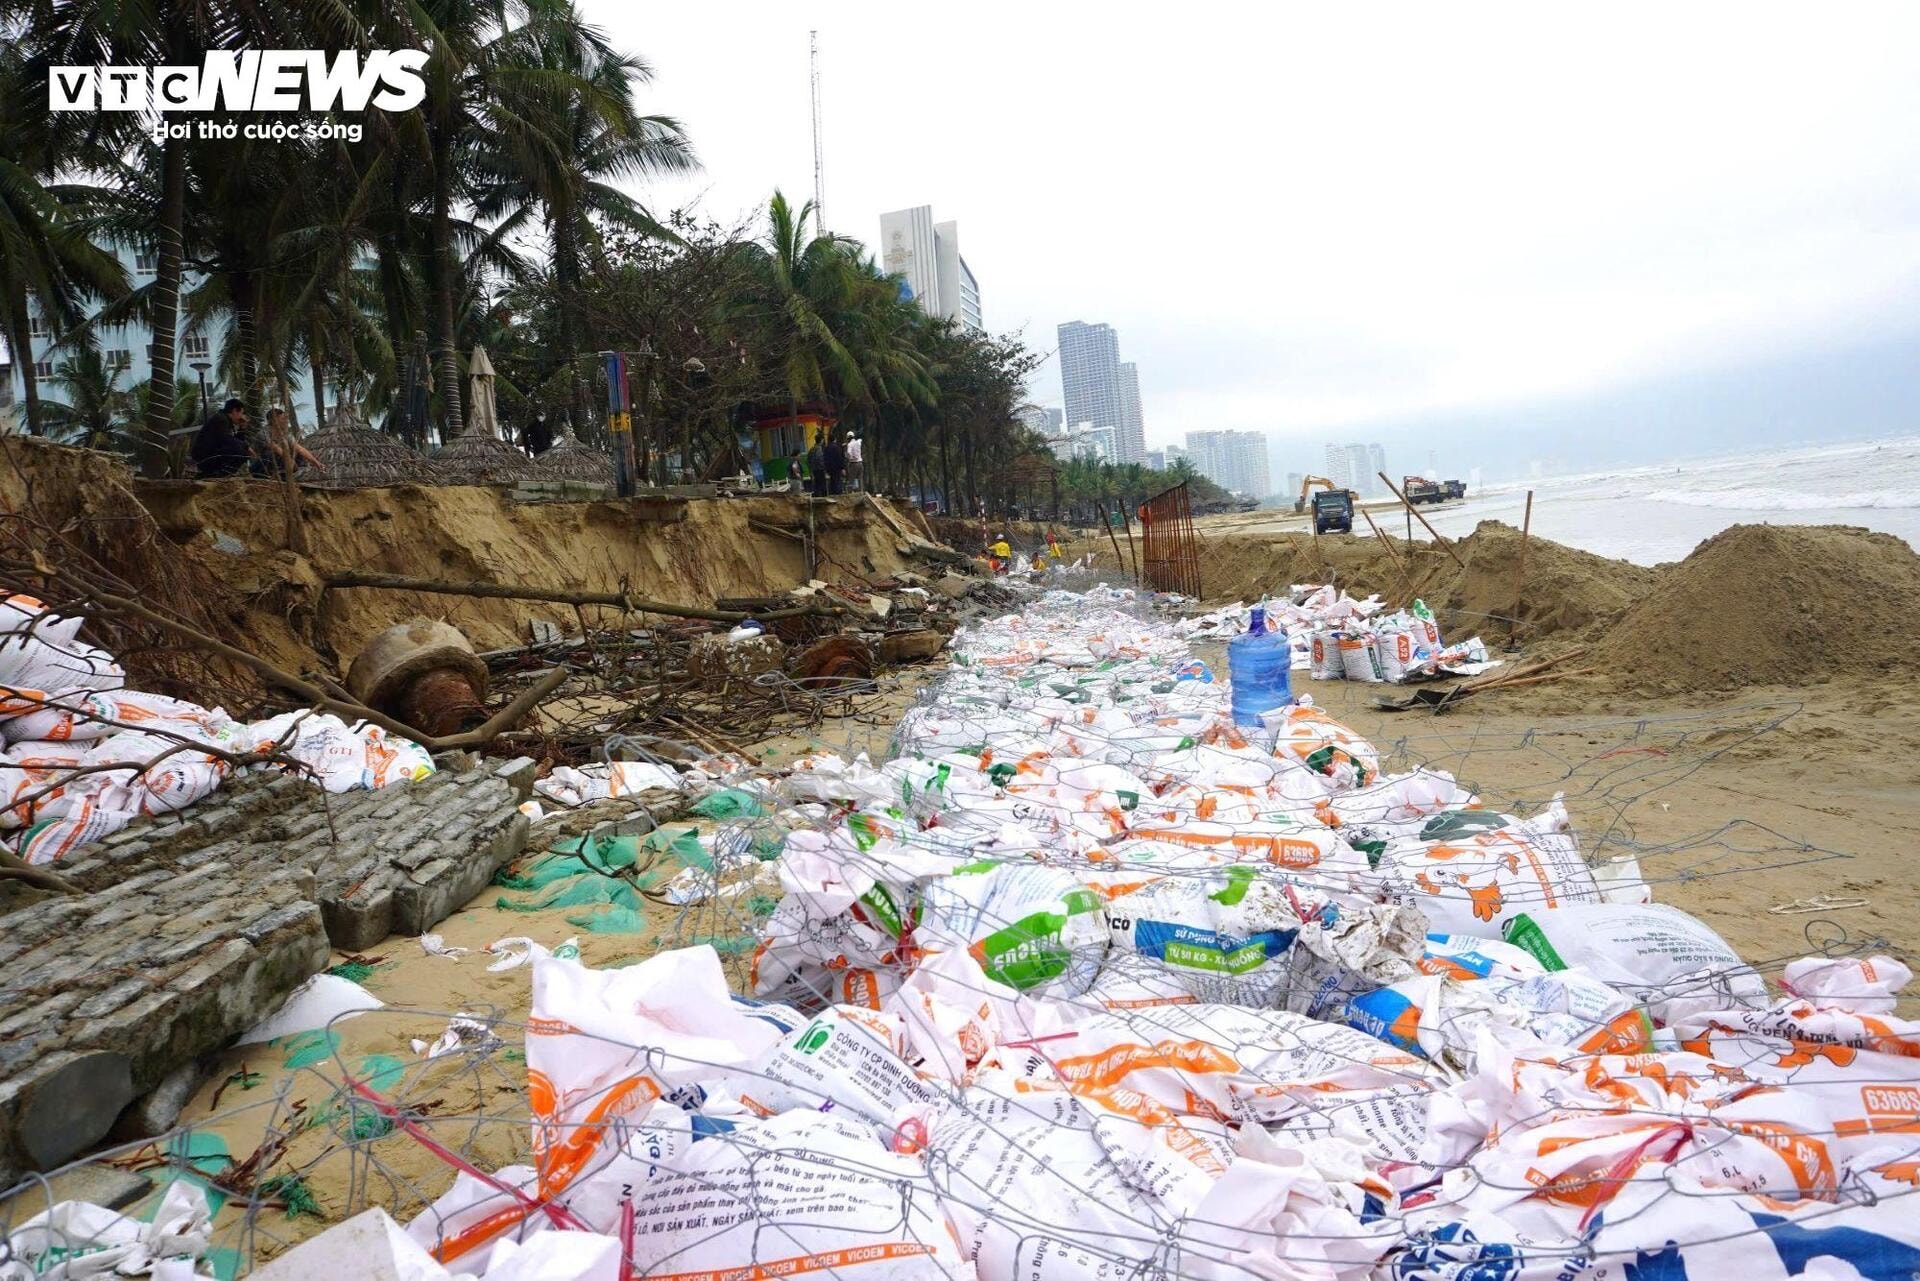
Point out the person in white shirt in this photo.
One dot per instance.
(854, 468)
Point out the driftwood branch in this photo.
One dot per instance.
(553, 595)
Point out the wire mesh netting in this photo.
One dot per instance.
(1084, 980)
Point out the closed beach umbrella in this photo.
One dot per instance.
(477, 456)
(486, 415)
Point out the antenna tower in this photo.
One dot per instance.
(819, 161)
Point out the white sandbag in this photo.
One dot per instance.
(1359, 660)
(1223, 937)
(38, 672)
(1324, 745)
(605, 781)
(1209, 1060)
(1477, 884)
(322, 1001)
(1671, 961)
(342, 757)
(1028, 925)
(1441, 1018)
(845, 1058)
(603, 1044)
(1325, 662)
(24, 618)
(801, 1193)
(1032, 1191)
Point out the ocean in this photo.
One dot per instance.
(1649, 515)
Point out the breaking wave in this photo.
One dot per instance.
(1794, 500)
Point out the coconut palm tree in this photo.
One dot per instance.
(602, 140)
(86, 404)
(805, 285)
(46, 255)
(486, 75)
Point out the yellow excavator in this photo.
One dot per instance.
(1332, 510)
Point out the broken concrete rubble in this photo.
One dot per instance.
(196, 925)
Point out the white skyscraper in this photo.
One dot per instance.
(1090, 375)
(1235, 460)
(1131, 431)
(926, 255)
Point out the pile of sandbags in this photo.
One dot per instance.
(84, 756)
(1089, 982)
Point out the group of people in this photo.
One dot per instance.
(228, 445)
(832, 465)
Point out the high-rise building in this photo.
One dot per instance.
(1350, 466)
(1042, 419)
(1090, 376)
(1250, 463)
(926, 255)
(1131, 432)
(1156, 460)
(1235, 460)
(1376, 464)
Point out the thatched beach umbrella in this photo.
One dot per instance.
(573, 459)
(354, 456)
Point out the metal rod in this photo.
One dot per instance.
(1438, 537)
(1520, 572)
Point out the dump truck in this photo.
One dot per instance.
(1419, 489)
(1333, 511)
(1306, 488)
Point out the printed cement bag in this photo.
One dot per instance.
(1439, 1018)
(80, 716)
(36, 672)
(1223, 937)
(1221, 1061)
(1359, 659)
(1324, 745)
(1667, 959)
(1478, 884)
(1324, 661)
(24, 620)
(1462, 956)
(1350, 951)
(845, 1058)
(951, 1013)
(803, 1193)
(343, 757)
(1278, 842)
(1025, 924)
(1052, 1187)
(809, 961)
(602, 1045)
(1400, 648)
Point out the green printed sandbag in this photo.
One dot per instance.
(1029, 925)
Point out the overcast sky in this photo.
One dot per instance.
(1336, 220)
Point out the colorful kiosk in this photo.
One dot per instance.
(782, 434)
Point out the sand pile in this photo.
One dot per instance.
(1565, 590)
(1770, 605)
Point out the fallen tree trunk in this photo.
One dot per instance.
(554, 595)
